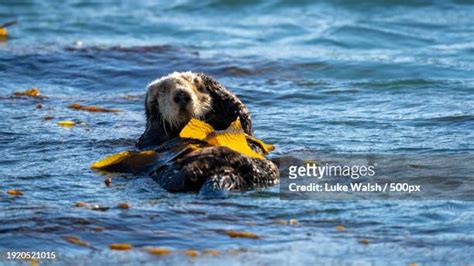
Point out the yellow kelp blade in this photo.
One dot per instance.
(3, 33)
(233, 137)
(33, 92)
(66, 123)
(96, 109)
(265, 147)
(131, 159)
(196, 129)
(110, 160)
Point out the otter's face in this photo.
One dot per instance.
(179, 97)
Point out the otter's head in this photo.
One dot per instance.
(178, 97)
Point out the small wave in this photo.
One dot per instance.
(238, 71)
(452, 120)
(361, 36)
(398, 82)
(125, 49)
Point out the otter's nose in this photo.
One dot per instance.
(182, 98)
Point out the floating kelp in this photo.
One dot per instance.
(340, 228)
(126, 159)
(33, 92)
(96, 109)
(120, 246)
(123, 206)
(66, 123)
(4, 31)
(14, 192)
(80, 204)
(191, 253)
(76, 241)
(241, 234)
(157, 251)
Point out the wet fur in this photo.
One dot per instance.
(209, 170)
(214, 169)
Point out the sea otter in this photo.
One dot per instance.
(170, 103)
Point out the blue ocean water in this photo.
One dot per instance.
(319, 77)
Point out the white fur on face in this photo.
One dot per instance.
(163, 90)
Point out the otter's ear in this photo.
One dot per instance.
(226, 106)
